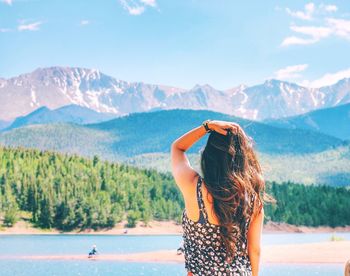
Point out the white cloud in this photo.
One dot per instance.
(29, 27)
(327, 79)
(329, 8)
(340, 27)
(290, 72)
(8, 2)
(137, 7)
(311, 34)
(136, 10)
(132, 8)
(84, 22)
(309, 9)
(313, 31)
(293, 40)
(151, 3)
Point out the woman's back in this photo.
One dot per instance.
(235, 188)
(205, 253)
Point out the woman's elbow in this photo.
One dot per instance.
(173, 144)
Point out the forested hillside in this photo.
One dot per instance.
(71, 192)
(151, 132)
(330, 167)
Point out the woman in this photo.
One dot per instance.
(223, 216)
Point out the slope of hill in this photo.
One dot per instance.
(149, 132)
(330, 167)
(155, 131)
(145, 138)
(334, 121)
(70, 114)
(63, 137)
(70, 192)
(59, 86)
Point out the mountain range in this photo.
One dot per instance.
(144, 139)
(55, 87)
(301, 134)
(147, 132)
(333, 121)
(71, 114)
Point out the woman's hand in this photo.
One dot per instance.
(223, 126)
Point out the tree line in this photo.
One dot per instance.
(72, 192)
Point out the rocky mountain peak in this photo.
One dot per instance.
(59, 86)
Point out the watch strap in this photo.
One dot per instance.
(205, 124)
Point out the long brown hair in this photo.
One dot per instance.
(233, 177)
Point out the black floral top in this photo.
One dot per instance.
(205, 253)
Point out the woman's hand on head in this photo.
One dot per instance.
(223, 126)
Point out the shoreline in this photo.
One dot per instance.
(310, 253)
(159, 228)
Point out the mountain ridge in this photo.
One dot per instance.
(59, 86)
(143, 132)
(333, 121)
(69, 113)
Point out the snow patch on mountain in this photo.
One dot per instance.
(33, 96)
(59, 86)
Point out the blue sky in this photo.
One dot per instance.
(180, 43)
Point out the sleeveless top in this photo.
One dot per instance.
(204, 250)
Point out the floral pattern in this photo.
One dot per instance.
(205, 253)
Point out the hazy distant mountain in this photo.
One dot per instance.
(333, 121)
(149, 132)
(4, 124)
(70, 113)
(55, 87)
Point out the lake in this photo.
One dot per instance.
(24, 245)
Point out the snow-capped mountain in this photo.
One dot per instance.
(275, 99)
(55, 87)
(338, 93)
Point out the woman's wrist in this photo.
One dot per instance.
(211, 125)
(206, 125)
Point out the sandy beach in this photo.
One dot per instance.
(159, 228)
(322, 252)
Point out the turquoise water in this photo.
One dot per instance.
(38, 268)
(20, 245)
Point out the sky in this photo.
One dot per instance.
(181, 43)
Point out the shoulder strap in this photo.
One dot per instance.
(203, 216)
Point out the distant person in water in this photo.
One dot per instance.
(223, 217)
(93, 251)
(180, 250)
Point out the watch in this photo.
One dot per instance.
(205, 124)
